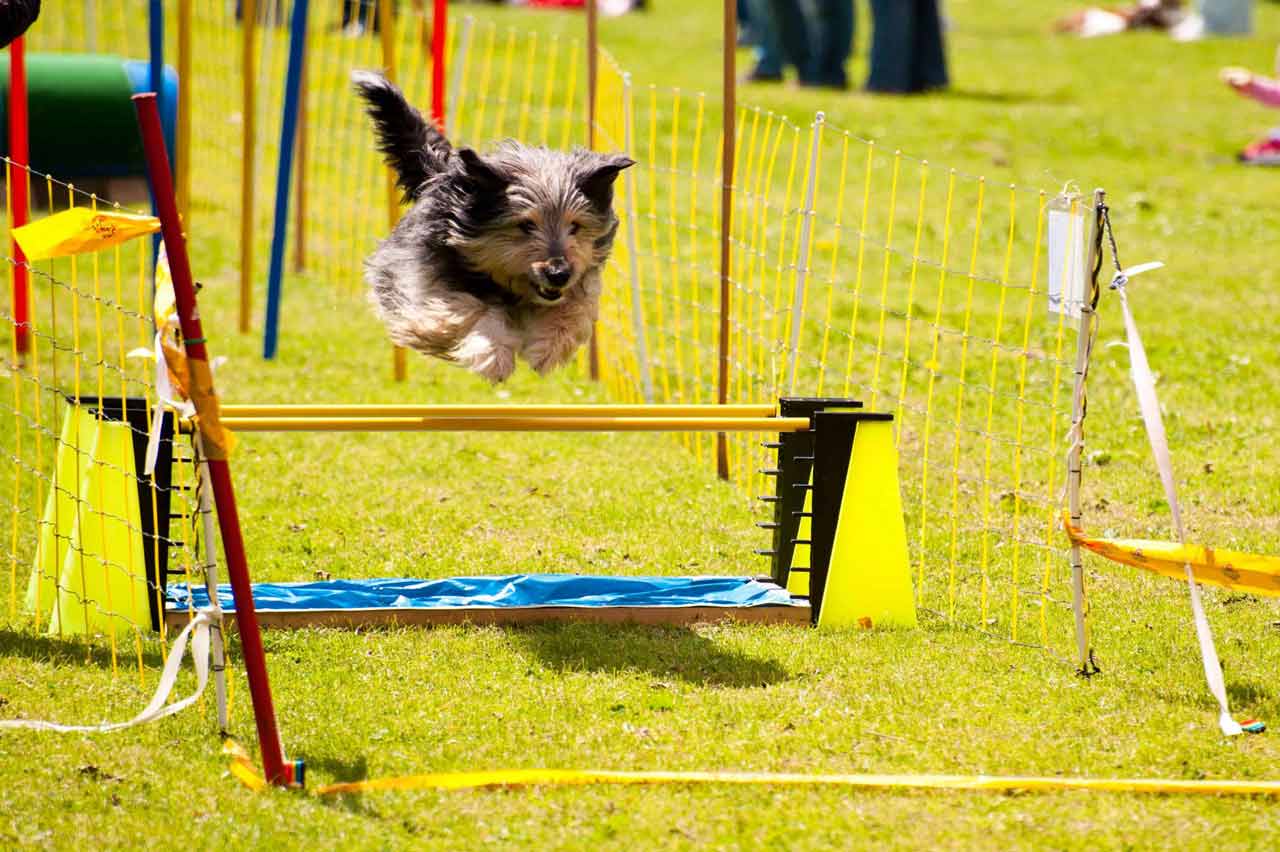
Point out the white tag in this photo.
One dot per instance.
(1066, 254)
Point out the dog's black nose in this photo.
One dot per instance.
(558, 272)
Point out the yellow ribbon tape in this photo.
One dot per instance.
(1241, 572)
(242, 766)
(568, 777)
(243, 769)
(80, 230)
(218, 440)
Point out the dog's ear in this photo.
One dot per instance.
(596, 182)
(412, 147)
(486, 178)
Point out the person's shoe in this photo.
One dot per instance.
(1264, 152)
(840, 85)
(756, 75)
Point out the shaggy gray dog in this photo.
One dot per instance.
(500, 255)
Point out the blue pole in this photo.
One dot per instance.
(288, 133)
(156, 84)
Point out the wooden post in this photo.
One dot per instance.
(387, 27)
(729, 86)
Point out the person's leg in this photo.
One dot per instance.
(893, 26)
(930, 55)
(834, 41)
(746, 27)
(792, 28)
(769, 60)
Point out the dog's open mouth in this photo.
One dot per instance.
(548, 294)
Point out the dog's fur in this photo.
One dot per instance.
(500, 255)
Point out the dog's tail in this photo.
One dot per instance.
(414, 148)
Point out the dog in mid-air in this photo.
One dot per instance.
(500, 255)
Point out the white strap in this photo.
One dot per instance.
(198, 632)
(1145, 384)
(167, 398)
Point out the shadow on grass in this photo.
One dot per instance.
(998, 97)
(659, 651)
(1241, 694)
(74, 651)
(1249, 693)
(343, 769)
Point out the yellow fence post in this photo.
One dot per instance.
(184, 112)
(249, 72)
(387, 27)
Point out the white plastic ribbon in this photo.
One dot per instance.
(167, 398)
(198, 633)
(1145, 385)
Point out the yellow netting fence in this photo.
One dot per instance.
(94, 537)
(857, 269)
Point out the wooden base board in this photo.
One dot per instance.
(798, 613)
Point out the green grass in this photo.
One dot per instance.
(1139, 115)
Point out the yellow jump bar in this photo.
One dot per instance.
(515, 423)
(509, 410)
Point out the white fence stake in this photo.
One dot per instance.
(803, 257)
(1084, 343)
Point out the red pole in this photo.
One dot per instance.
(255, 662)
(439, 26)
(20, 155)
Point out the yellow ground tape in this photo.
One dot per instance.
(243, 769)
(567, 777)
(242, 766)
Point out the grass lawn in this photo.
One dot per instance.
(1139, 115)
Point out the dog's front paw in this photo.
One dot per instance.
(547, 353)
(486, 358)
(498, 366)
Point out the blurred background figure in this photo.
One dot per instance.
(1146, 14)
(907, 54)
(15, 17)
(816, 37)
(359, 16)
(1266, 91)
(762, 34)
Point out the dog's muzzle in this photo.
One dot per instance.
(553, 278)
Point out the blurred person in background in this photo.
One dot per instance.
(1266, 91)
(907, 53)
(763, 32)
(817, 38)
(15, 17)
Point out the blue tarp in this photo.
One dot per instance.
(514, 590)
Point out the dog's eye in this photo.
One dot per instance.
(573, 228)
(528, 226)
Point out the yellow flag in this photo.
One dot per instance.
(81, 230)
